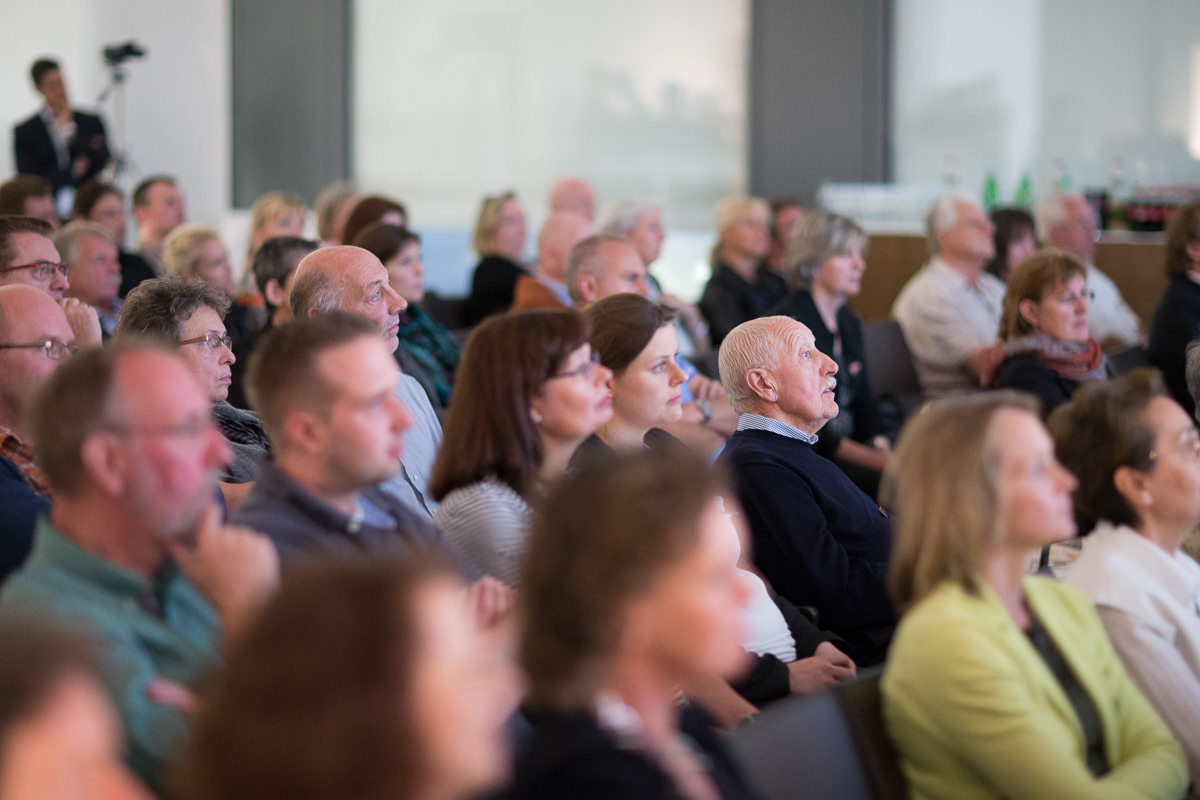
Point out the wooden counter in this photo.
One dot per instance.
(1133, 260)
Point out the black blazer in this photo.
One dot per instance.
(492, 287)
(729, 300)
(35, 153)
(569, 757)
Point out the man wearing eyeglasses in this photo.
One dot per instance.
(132, 550)
(27, 256)
(34, 339)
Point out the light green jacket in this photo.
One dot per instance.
(975, 712)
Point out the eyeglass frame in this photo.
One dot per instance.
(47, 346)
(585, 370)
(212, 340)
(59, 267)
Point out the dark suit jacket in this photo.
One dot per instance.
(35, 153)
(818, 538)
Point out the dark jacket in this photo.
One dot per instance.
(492, 287)
(569, 757)
(35, 153)
(1176, 323)
(20, 507)
(729, 300)
(134, 270)
(818, 539)
(1026, 373)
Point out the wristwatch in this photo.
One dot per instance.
(705, 409)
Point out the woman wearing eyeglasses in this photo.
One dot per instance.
(527, 393)
(1136, 455)
(1044, 341)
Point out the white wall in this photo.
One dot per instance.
(176, 99)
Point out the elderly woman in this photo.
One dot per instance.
(1012, 234)
(1177, 319)
(1136, 455)
(529, 392)
(999, 684)
(630, 591)
(357, 681)
(188, 313)
(424, 342)
(1044, 338)
(825, 269)
(741, 286)
(499, 240)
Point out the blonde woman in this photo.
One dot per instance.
(999, 684)
(274, 214)
(741, 286)
(499, 240)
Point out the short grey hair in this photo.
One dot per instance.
(66, 240)
(819, 236)
(315, 290)
(755, 344)
(1051, 211)
(1192, 373)
(942, 216)
(585, 259)
(623, 218)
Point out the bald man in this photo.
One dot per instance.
(29, 319)
(818, 538)
(351, 279)
(547, 288)
(573, 196)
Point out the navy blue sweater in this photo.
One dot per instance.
(818, 538)
(20, 507)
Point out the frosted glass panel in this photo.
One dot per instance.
(1014, 85)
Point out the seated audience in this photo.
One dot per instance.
(273, 269)
(60, 738)
(104, 204)
(546, 287)
(1044, 330)
(28, 196)
(950, 310)
(1177, 318)
(529, 392)
(741, 286)
(1136, 455)
(28, 257)
(351, 279)
(603, 265)
(630, 592)
(132, 552)
(274, 214)
(1012, 237)
(333, 207)
(825, 270)
(786, 212)
(641, 224)
(573, 196)
(818, 539)
(401, 696)
(188, 314)
(1000, 684)
(196, 252)
(370, 210)
(499, 240)
(158, 208)
(427, 350)
(325, 388)
(93, 272)
(34, 340)
(1067, 222)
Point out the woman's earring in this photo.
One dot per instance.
(537, 417)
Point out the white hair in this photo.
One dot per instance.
(1051, 211)
(756, 344)
(942, 216)
(625, 214)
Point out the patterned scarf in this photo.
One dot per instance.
(16, 450)
(432, 347)
(1077, 361)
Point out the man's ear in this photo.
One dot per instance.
(587, 288)
(762, 383)
(104, 461)
(304, 431)
(275, 294)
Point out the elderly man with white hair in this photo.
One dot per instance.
(950, 310)
(818, 538)
(1067, 222)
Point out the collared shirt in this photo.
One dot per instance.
(557, 288)
(151, 630)
(421, 442)
(60, 136)
(945, 319)
(757, 422)
(1109, 316)
(18, 451)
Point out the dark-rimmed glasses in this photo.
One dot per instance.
(51, 348)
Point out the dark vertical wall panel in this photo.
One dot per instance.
(291, 96)
(818, 93)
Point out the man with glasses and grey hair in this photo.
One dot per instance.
(27, 256)
(34, 339)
